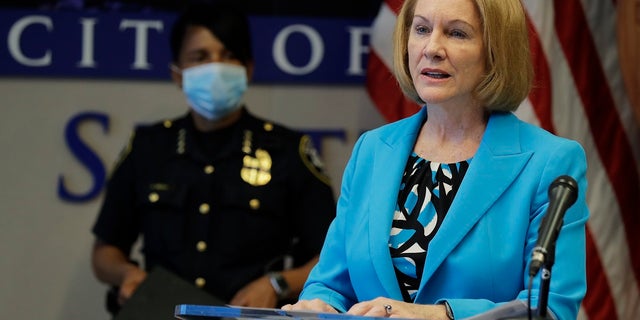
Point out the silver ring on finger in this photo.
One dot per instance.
(388, 308)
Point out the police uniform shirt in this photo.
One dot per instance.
(219, 209)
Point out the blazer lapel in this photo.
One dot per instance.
(497, 163)
(389, 160)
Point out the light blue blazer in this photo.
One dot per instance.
(479, 258)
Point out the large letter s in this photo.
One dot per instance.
(85, 155)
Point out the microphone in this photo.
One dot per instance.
(563, 193)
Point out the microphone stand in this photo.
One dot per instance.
(545, 280)
(543, 295)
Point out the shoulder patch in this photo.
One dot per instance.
(311, 159)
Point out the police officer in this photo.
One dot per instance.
(222, 198)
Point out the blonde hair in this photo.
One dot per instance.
(508, 58)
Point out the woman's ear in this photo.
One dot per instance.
(176, 75)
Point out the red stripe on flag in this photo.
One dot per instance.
(385, 92)
(394, 5)
(612, 143)
(540, 95)
(598, 303)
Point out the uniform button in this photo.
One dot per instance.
(268, 126)
(167, 124)
(200, 282)
(201, 246)
(208, 169)
(154, 197)
(204, 208)
(254, 204)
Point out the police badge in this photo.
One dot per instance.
(256, 170)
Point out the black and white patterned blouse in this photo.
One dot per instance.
(426, 193)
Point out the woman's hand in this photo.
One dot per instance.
(316, 305)
(384, 307)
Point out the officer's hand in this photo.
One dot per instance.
(257, 294)
(132, 279)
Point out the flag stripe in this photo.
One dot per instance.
(381, 35)
(381, 85)
(384, 91)
(540, 95)
(598, 303)
(602, 17)
(394, 5)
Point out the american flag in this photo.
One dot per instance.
(586, 55)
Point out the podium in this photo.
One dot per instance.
(204, 312)
(512, 310)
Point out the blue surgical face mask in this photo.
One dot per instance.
(214, 90)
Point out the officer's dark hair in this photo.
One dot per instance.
(226, 21)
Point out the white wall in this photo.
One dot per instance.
(45, 242)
